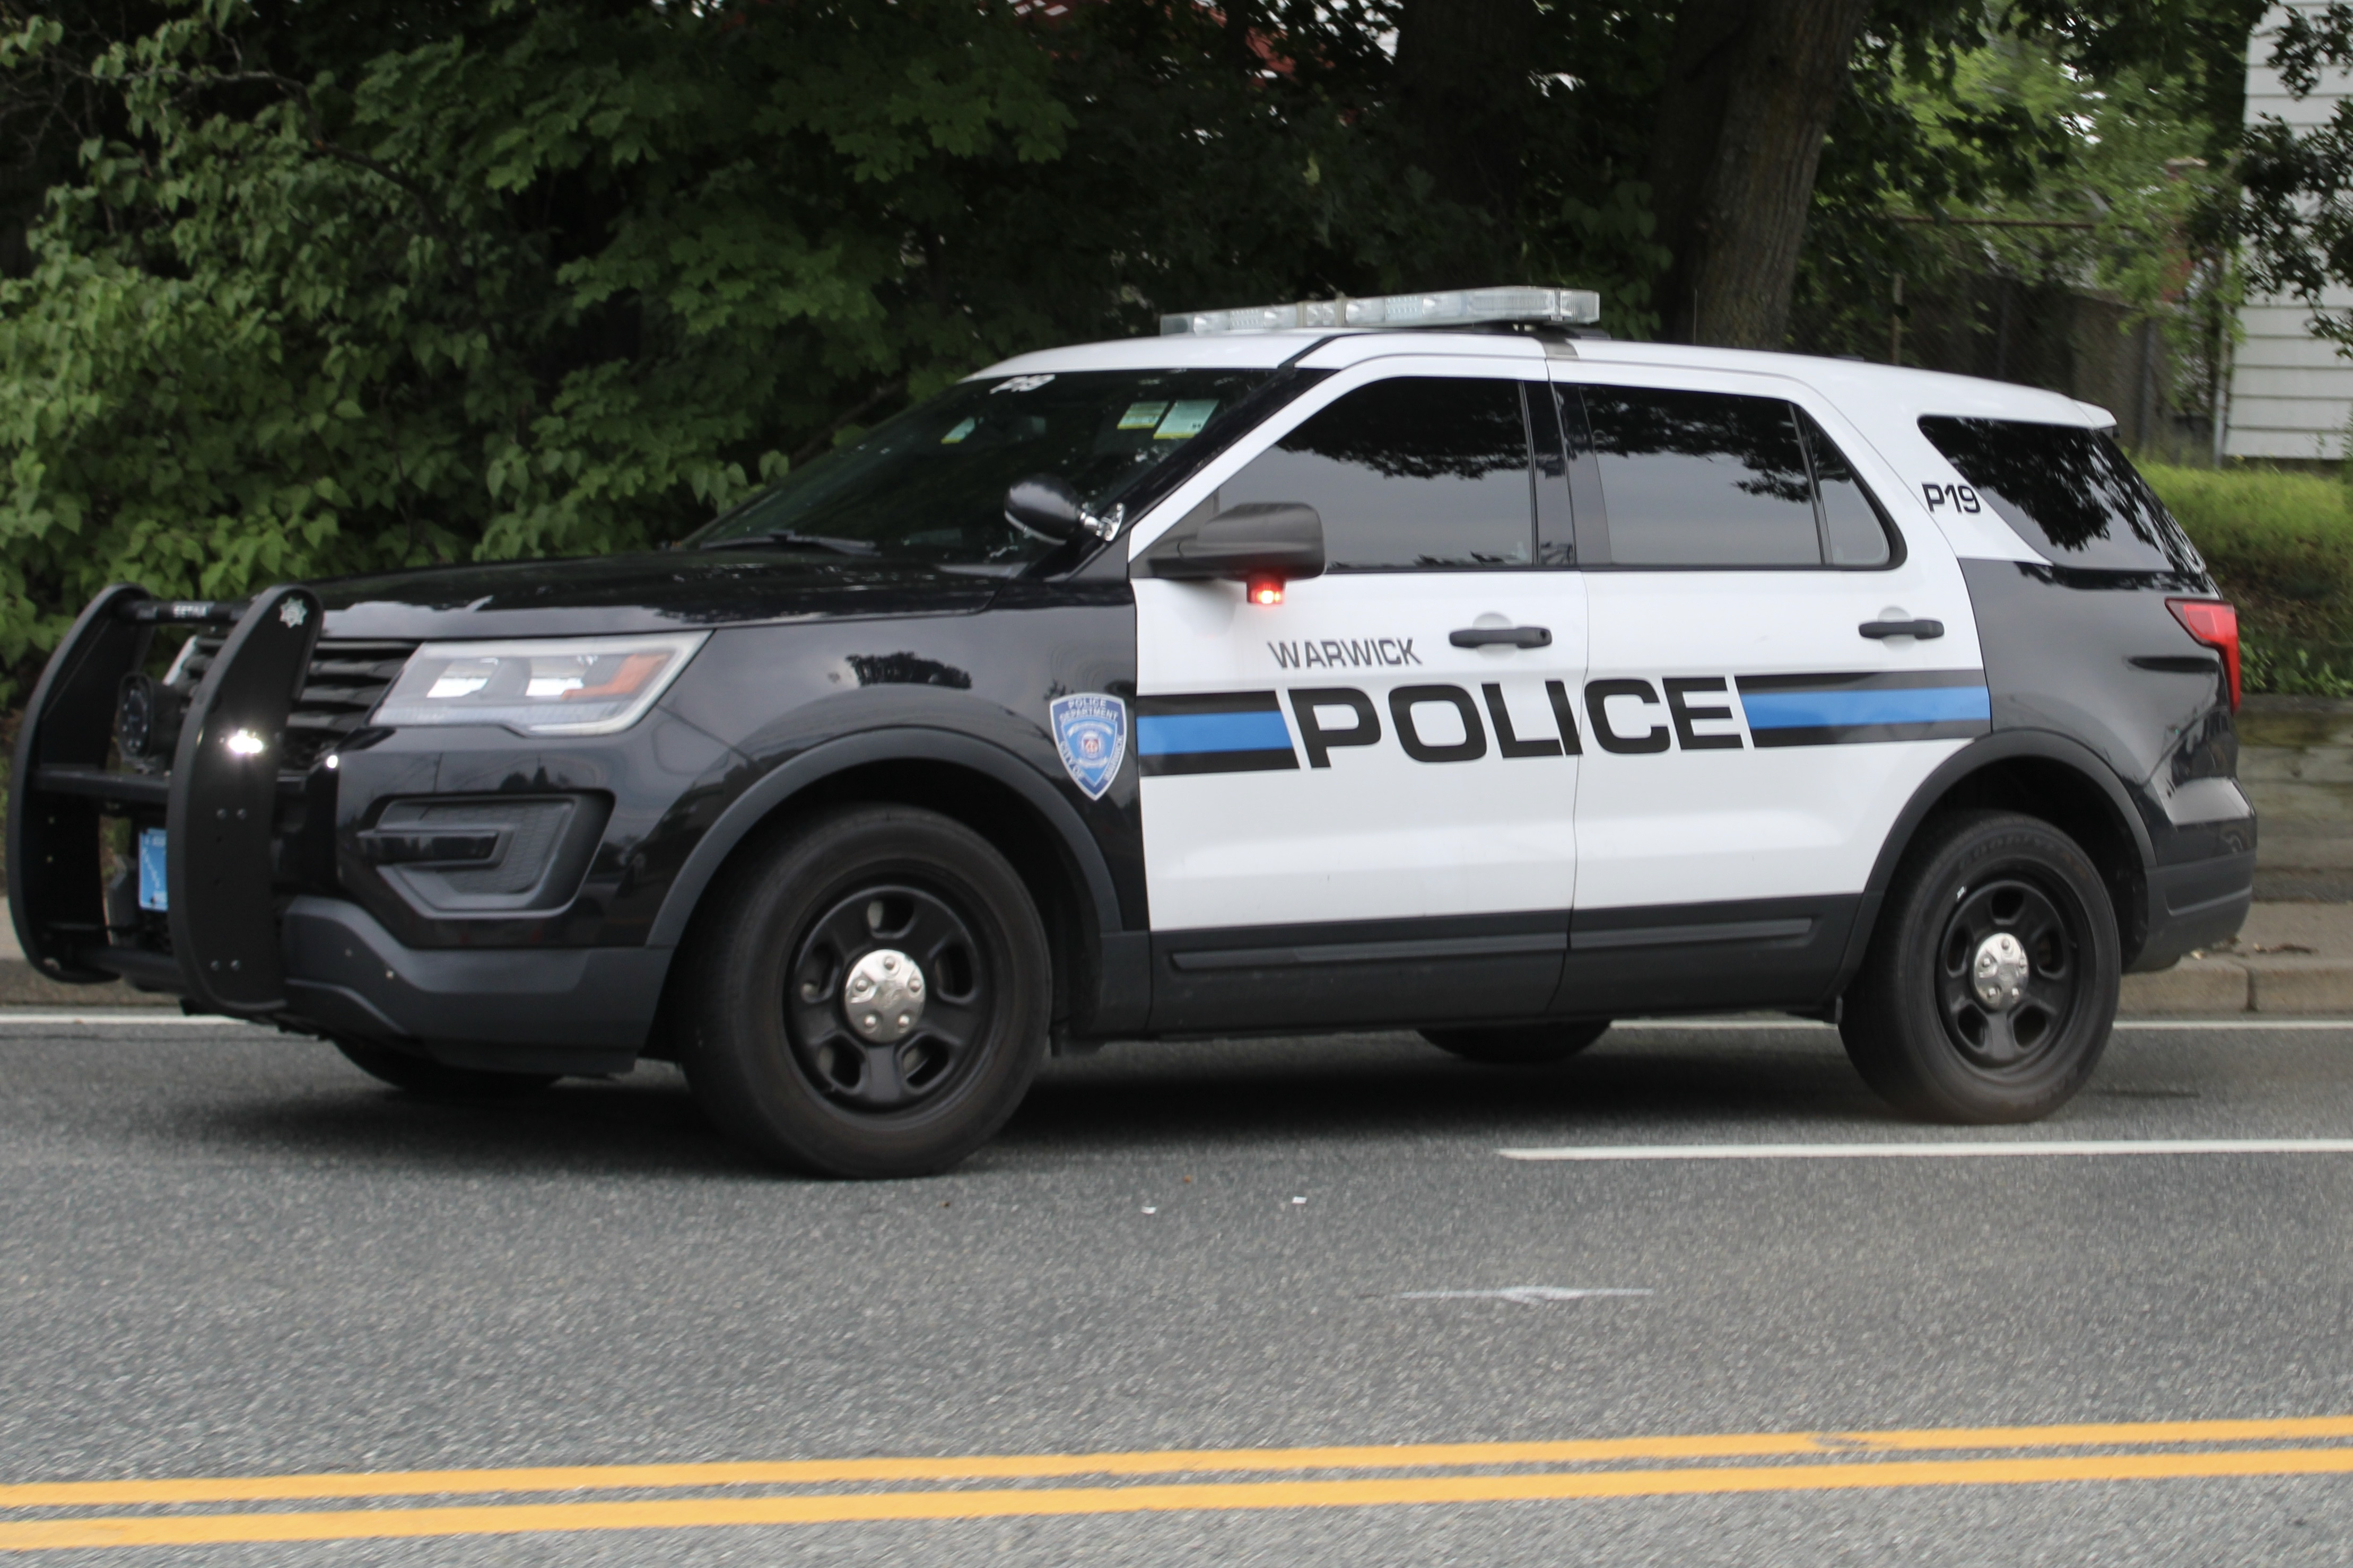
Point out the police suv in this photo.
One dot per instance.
(1429, 662)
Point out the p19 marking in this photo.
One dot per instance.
(1959, 497)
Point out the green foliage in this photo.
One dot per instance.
(405, 281)
(553, 282)
(2281, 547)
(388, 282)
(2053, 119)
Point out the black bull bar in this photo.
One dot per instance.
(218, 801)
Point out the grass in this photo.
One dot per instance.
(2281, 547)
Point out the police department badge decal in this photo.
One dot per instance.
(1091, 731)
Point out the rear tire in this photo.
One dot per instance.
(437, 1080)
(870, 995)
(1989, 988)
(1522, 1044)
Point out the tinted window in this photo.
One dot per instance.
(1418, 471)
(1854, 531)
(1702, 479)
(2065, 490)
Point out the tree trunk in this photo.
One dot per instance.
(1464, 82)
(1751, 86)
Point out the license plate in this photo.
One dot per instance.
(151, 869)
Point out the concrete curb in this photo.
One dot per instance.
(2279, 983)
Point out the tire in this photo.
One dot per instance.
(1915, 1023)
(420, 1075)
(782, 1061)
(1520, 1045)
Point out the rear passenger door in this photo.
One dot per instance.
(1766, 692)
(1360, 803)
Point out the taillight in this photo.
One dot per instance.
(2216, 624)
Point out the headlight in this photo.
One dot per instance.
(556, 686)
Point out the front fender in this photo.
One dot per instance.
(906, 744)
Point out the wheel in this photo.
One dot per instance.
(1522, 1043)
(420, 1075)
(1991, 986)
(872, 990)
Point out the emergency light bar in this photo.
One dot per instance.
(1446, 307)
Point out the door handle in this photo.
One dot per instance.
(1923, 630)
(1501, 637)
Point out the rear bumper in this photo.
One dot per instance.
(2195, 904)
(581, 1009)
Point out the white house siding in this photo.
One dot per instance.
(2290, 394)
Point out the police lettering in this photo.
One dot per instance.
(1643, 722)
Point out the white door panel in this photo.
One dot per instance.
(1352, 825)
(1821, 734)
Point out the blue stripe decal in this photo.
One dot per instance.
(1167, 734)
(1825, 710)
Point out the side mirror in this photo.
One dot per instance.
(1264, 544)
(1045, 505)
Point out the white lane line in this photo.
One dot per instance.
(128, 1016)
(1778, 1025)
(1526, 1295)
(1928, 1150)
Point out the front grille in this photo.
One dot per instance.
(345, 681)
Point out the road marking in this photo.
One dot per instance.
(1777, 1026)
(1526, 1295)
(358, 1524)
(1976, 1149)
(317, 1486)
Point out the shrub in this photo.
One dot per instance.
(2281, 547)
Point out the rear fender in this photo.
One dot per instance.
(1989, 751)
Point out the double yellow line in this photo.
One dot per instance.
(189, 1512)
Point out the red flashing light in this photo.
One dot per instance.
(1269, 591)
(2216, 624)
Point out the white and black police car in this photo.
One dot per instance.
(1428, 662)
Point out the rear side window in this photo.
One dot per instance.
(1719, 479)
(2067, 491)
(1427, 472)
(1855, 531)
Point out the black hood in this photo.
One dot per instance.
(645, 593)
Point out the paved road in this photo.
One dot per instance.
(226, 1253)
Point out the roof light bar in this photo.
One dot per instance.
(1444, 307)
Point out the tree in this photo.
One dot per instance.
(327, 287)
(1749, 93)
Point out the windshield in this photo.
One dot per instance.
(930, 485)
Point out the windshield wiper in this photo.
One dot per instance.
(786, 536)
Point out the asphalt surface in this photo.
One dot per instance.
(224, 1252)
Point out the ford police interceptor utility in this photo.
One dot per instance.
(1423, 662)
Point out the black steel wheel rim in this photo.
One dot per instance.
(880, 1078)
(2013, 1037)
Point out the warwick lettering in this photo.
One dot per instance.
(1332, 653)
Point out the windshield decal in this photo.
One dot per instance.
(1185, 416)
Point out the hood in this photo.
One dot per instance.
(643, 592)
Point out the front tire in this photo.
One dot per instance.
(870, 995)
(1991, 986)
(1525, 1045)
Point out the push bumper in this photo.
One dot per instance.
(218, 944)
(246, 932)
